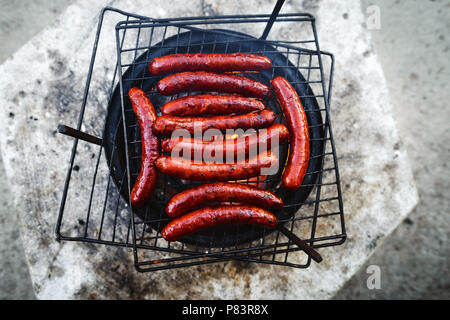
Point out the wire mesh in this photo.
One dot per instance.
(109, 220)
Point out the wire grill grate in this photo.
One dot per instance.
(109, 220)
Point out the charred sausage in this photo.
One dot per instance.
(207, 171)
(227, 146)
(215, 62)
(211, 104)
(213, 216)
(148, 174)
(165, 125)
(299, 152)
(208, 81)
(221, 192)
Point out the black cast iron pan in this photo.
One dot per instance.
(207, 41)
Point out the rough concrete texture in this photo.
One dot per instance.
(413, 47)
(376, 178)
(14, 276)
(19, 21)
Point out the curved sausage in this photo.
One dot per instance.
(216, 82)
(221, 192)
(215, 62)
(227, 146)
(165, 125)
(299, 153)
(208, 171)
(213, 216)
(211, 104)
(148, 175)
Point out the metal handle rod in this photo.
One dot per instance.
(68, 131)
(272, 18)
(302, 245)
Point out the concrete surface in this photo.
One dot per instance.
(413, 46)
(19, 21)
(15, 281)
(378, 188)
(414, 259)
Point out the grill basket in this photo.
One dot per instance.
(314, 214)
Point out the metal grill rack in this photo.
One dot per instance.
(318, 219)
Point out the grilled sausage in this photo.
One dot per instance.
(165, 125)
(299, 153)
(208, 81)
(148, 175)
(211, 104)
(228, 146)
(221, 192)
(204, 171)
(214, 62)
(213, 216)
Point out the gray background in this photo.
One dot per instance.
(413, 47)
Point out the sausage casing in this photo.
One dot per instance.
(211, 104)
(215, 62)
(221, 192)
(213, 216)
(165, 125)
(227, 146)
(148, 174)
(206, 171)
(299, 152)
(208, 81)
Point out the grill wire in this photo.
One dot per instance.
(109, 220)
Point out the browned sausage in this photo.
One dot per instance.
(211, 104)
(213, 216)
(228, 146)
(208, 81)
(165, 125)
(148, 175)
(214, 62)
(298, 160)
(207, 171)
(221, 192)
